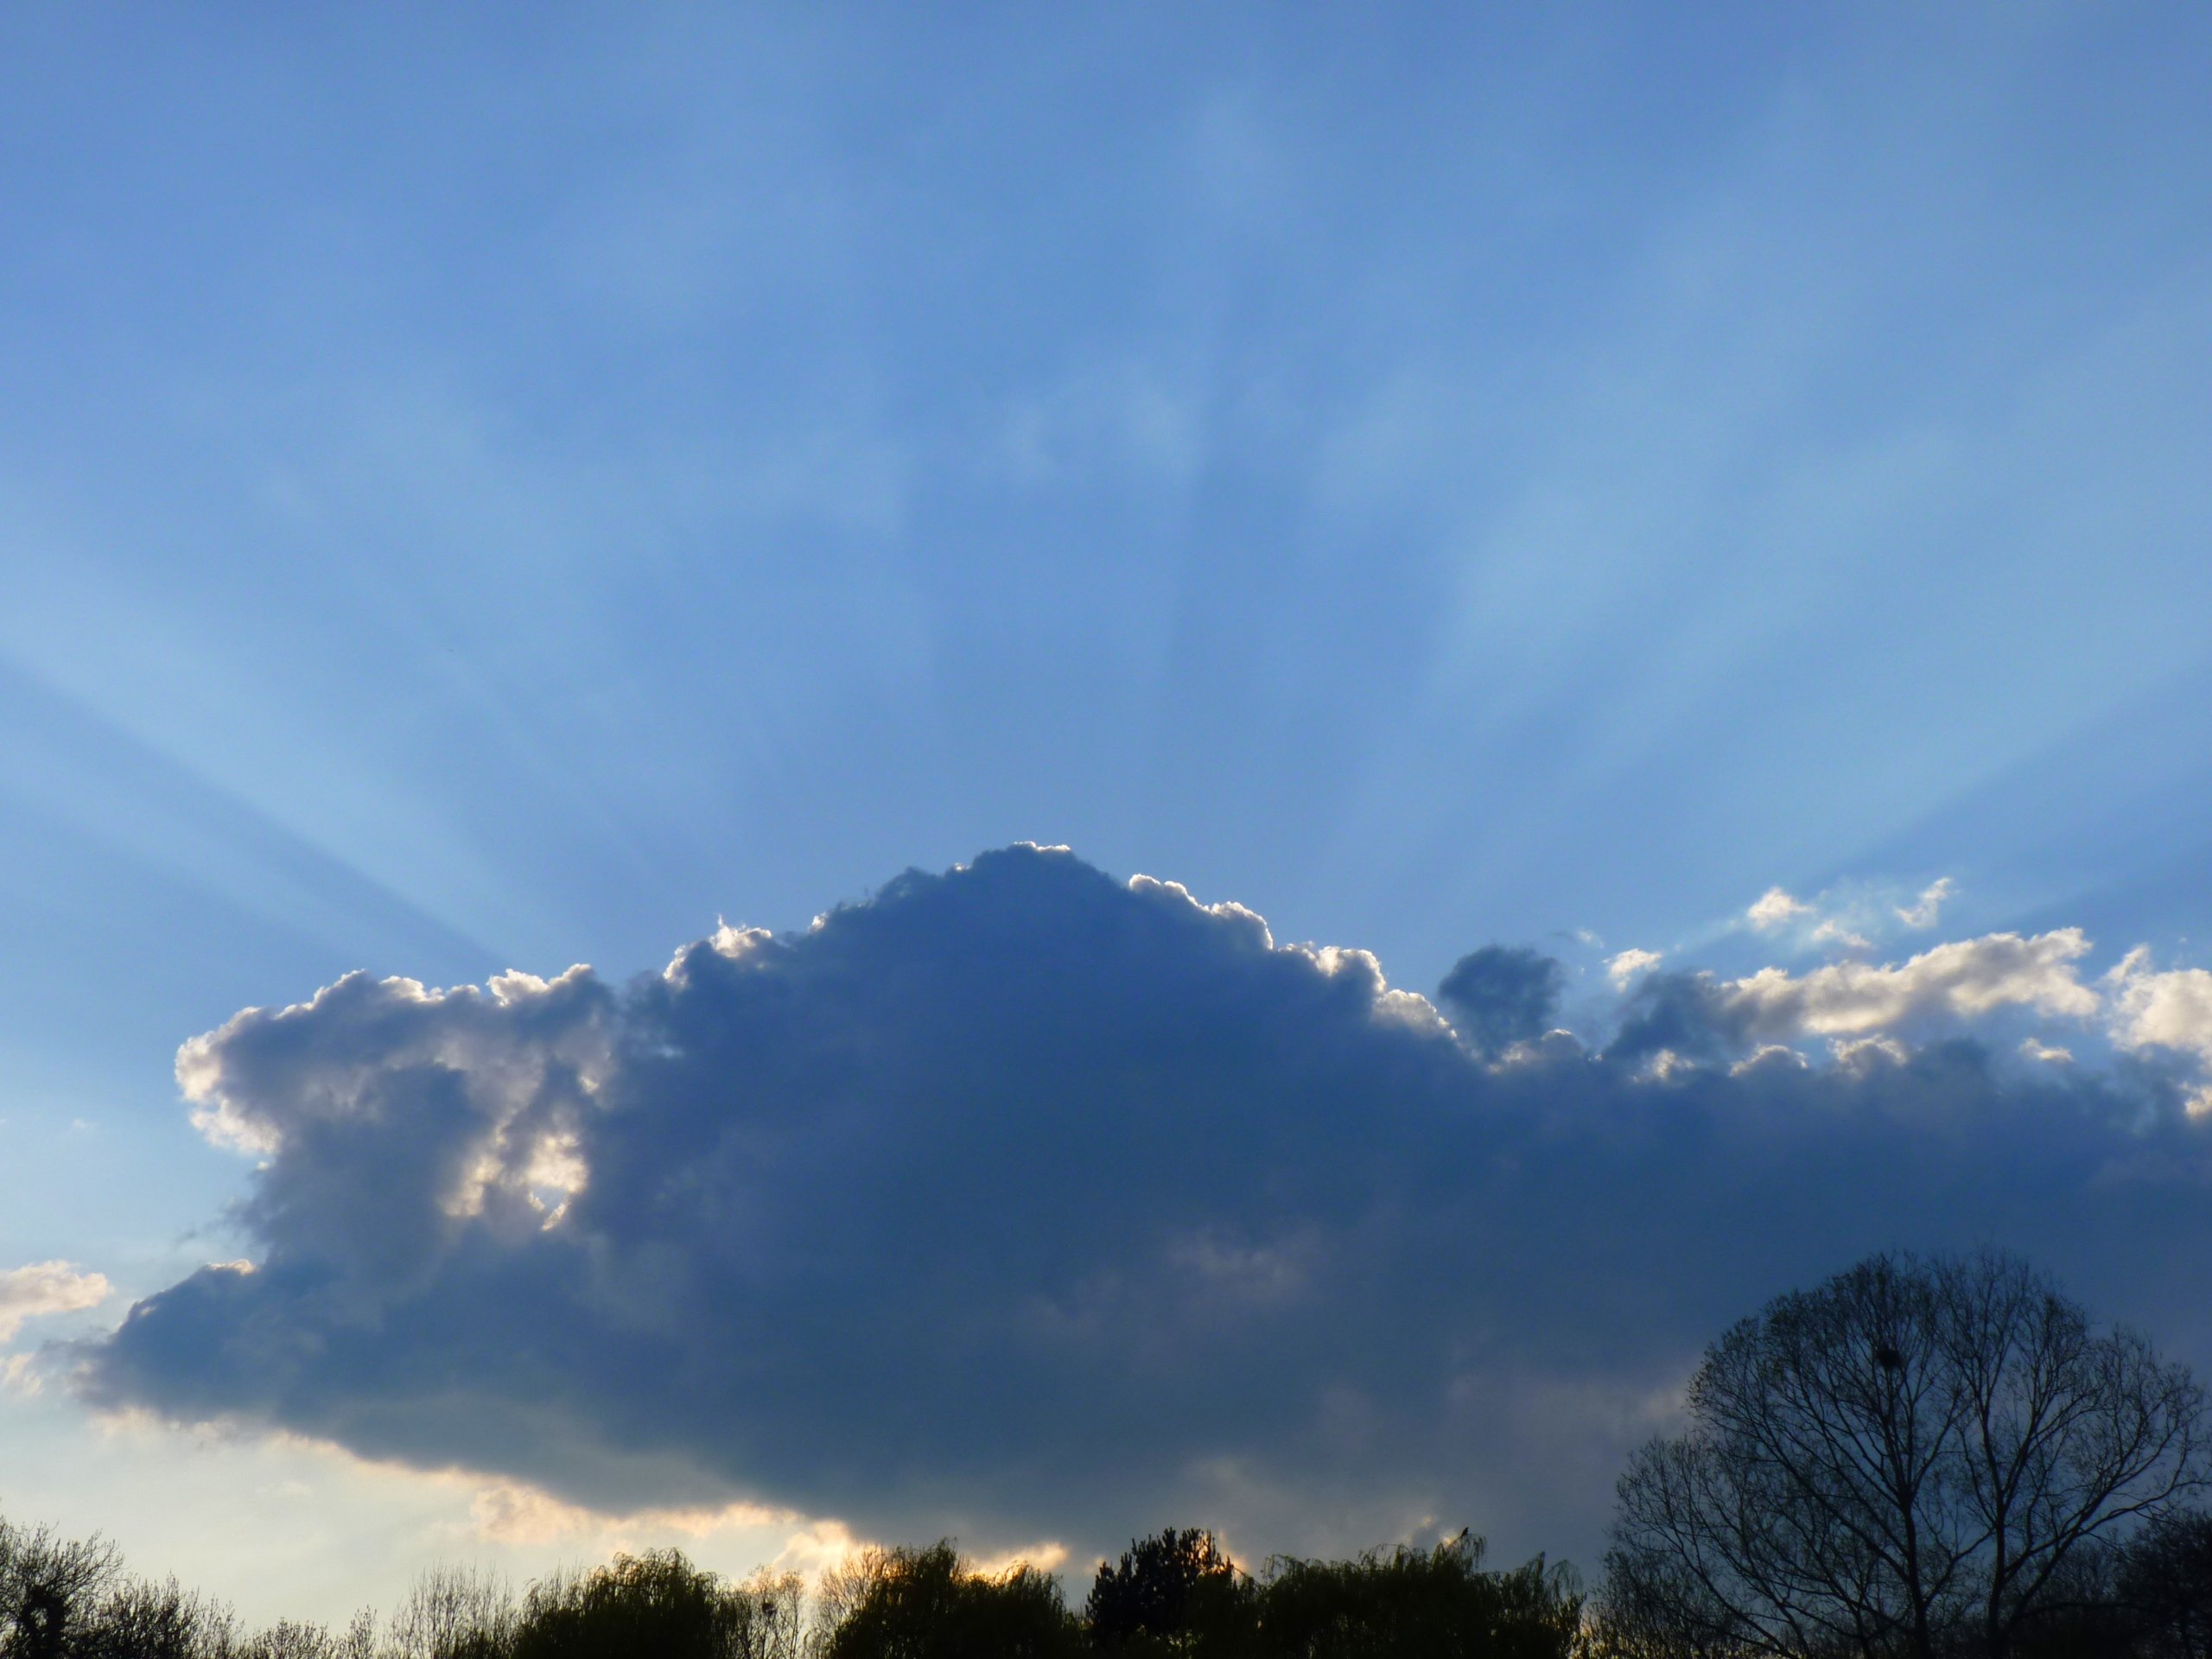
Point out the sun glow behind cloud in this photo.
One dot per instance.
(477, 494)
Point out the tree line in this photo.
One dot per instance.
(1176, 1592)
(1920, 1458)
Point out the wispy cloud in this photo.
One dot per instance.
(1923, 911)
(1852, 920)
(47, 1288)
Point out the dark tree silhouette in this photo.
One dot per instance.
(2165, 1582)
(50, 1588)
(659, 1604)
(1437, 1603)
(929, 1604)
(1173, 1592)
(454, 1612)
(1912, 1460)
(140, 1620)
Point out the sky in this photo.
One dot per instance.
(1687, 529)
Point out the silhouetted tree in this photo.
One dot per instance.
(659, 1604)
(1909, 1460)
(454, 1612)
(1436, 1603)
(929, 1604)
(48, 1587)
(288, 1639)
(2079, 1616)
(142, 1620)
(1172, 1593)
(2165, 1582)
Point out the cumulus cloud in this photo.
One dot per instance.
(1961, 979)
(1020, 1203)
(47, 1288)
(2172, 1009)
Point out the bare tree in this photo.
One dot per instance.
(144, 1620)
(777, 1625)
(1900, 1462)
(292, 1639)
(49, 1585)
(454, 1612)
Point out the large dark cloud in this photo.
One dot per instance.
(1020, 1201)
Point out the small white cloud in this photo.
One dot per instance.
(1774, 909)
(1923, 911)
(2044, 1051)
(1627, 965)
(47, 1288)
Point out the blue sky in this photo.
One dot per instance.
(516, 489)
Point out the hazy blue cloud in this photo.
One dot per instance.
(1021, 1201)
(1501, 994)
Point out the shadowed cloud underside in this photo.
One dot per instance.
(1020, 1201)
